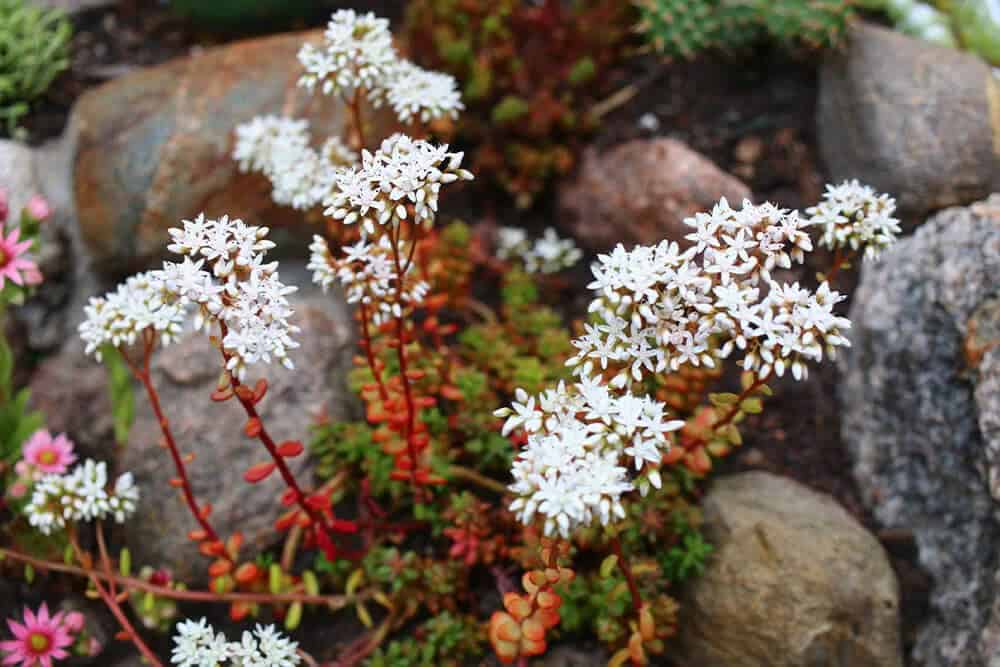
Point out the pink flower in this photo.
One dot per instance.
(39, 641)
(48, 454)
(73, 622)
(11, 260)
(38, 208)
(18, 489)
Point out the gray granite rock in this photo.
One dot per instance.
(72, 390)
(794, 581)
(911, 118)
(921, 398)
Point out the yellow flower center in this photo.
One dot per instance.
(48, 457)
(3, 257)
(39, 642)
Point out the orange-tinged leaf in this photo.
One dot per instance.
(258, 472)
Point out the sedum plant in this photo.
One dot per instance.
(574, 509)
(34, 50)
(529, 73)
(685, 28)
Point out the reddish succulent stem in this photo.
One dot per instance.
(144, 376)
(113, 606)
(132, 583)
(411, 411)
(247, 400)
(840, 260)
(616, 549)
(366, 343)
(745, 394)
(355, 107)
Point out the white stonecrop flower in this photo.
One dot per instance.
(119, 317)
(402, 173)
(582, 440)
(416, 93)
(224, 274)
(855, 216)
(264, 647)
(279, 149)
(357, 53)
(198, 644)
(368, 275)
(659, 308)
(549, 254)
(83, 494)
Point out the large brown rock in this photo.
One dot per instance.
(641, 191)
(916, 120)
(154, 147)
(72, 390)
(794, 581)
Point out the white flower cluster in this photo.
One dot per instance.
(197, 644)
(358, 54)
(279, 148)
(854, 216)
(83, 494)
(403, 171)
(573, 469)
(549, 254)
(368, 274)
(240, 291)
(120, 316)
(659, 308)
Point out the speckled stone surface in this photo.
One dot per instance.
(921, 397)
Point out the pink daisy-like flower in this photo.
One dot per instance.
(38, 208)
(48, 454)
(12, 262)
(38, 641)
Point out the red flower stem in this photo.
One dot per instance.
(356, 118)
(144, 376)
(411, 411)
(366, 343)
(247, 401)
(616, 549)
(745, 394)
(840, 260)
(113, 606)
(131, 583)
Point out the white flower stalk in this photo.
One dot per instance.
(198, 644)
(118, 318)
(81, 495)
(279, 148)
(403, 174)
(367, 273)
(582, 440)
(224, 273)
(357, 54)
(658, 308)
(416, 93)
(854, 216)
(549, 254)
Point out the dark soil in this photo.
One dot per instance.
(754, 118)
